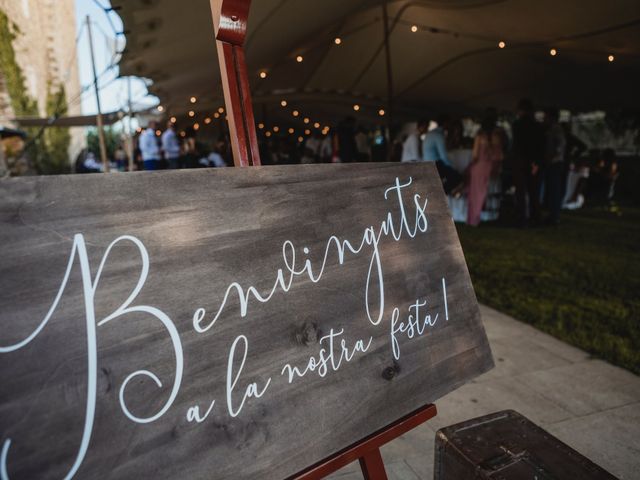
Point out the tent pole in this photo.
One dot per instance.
(103, 148)
(129, 130)
(387, 51)
(230, 25)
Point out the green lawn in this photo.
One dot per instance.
(579, 282)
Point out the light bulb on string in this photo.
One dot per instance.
(337, 41)
(501, 44)
(611, 58)
(414, 28)
(553, 52)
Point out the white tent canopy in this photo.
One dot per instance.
(452, 62)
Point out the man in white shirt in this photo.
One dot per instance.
(171, 146)
(148, 144)
(411, 148)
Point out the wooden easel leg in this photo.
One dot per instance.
(230, 24)
(372, 465)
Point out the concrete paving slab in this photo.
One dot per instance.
(501, 326)
(610, 438)
(586, 387)
(476, 399)
(518, 355)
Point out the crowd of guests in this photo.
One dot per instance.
(159, 150)
(538, 163)
(541, 162)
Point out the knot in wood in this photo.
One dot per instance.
(308, 334)
(390, 372)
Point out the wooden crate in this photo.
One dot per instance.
(507, 446)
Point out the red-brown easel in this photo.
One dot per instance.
(230, 23)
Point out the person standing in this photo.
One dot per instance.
(527, 152)
(171, 146)
(148, 144)
(555, 145)
(346, 139)
(434, 149)
(487, 155)
(411, 147)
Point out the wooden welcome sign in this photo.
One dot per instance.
(226, 324)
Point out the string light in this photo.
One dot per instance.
(276, 129)
(291, 130)
(193, 99)
(414, 28)
(182, 133)
(267, 134)
(158, 133)
(207, 121)
(553, 52)
(216, 115)
(381, 112)
(306, 120)
(173, 119)
(611, 58)
(300, 139)
(356, 107)
(263, 74)
(307, 132)
(299, 58)
(261, 126)
(337, 41)
(501, 44)
(192, 113)
(160, 108)
(295, 113)
(316, 125)
(196, 126)
(283, 103)
(221, 110)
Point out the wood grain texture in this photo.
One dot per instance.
(204, 230)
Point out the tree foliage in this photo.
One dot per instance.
(111, 140)
(48, 151)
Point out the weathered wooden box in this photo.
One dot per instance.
(507, 446)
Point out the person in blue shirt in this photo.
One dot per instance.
(434, 146)
(434, 149)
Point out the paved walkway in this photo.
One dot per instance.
(589, 404)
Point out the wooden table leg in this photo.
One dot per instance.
(372, 466)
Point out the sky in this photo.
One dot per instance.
(113, 90)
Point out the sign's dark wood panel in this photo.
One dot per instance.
(228, 324)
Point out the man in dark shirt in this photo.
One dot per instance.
(526, 156)
(347, 148)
